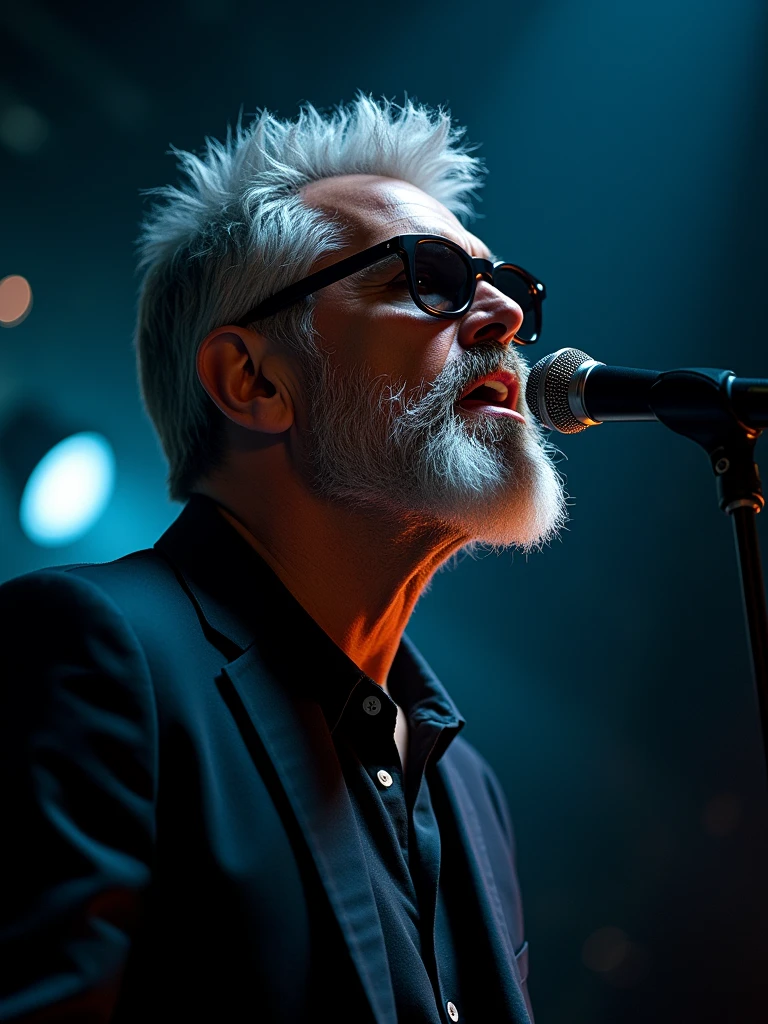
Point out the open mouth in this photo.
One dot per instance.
(496, 394)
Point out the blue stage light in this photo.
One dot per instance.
(68, 490)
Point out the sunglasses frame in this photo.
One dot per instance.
(404, 246)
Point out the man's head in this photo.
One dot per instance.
(367, 382)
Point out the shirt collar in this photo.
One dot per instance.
(418, 691)
(411, 684)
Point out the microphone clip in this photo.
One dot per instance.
(696, 403)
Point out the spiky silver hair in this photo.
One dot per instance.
(237, 231)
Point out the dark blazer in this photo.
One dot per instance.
(178, 839)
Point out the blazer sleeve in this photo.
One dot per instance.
(78, 742)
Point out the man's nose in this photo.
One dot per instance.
(492, 316)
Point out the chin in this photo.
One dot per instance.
(527, 513)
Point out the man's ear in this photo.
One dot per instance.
(245, 379)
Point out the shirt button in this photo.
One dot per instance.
(371, 705)
(453, 1013)
(384, 778)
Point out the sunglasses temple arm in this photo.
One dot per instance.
(320, 279)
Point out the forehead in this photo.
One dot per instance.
(375, 208)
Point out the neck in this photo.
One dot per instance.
(358, 574)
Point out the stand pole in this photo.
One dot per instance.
(753, 592)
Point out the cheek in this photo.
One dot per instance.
(398, 344)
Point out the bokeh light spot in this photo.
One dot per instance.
(15, 300)
(722, 814)
(605, 949)
(68, 490)
(620, 962)
(22, 129)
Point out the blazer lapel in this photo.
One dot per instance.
(296, 738)
(481, 875)
(243, 602)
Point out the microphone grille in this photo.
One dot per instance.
(547, 389)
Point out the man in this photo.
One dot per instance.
(236, 790)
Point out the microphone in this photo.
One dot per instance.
(569, 391)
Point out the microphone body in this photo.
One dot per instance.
(569, 391)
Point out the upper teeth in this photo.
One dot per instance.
(497, 386)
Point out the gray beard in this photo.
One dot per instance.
(419, 459)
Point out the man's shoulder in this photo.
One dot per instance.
(140, 588)
(136, 575)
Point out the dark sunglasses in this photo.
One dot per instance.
(441, 278)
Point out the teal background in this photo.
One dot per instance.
(607, 678)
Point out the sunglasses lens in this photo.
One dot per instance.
(517, 288)
(443, 278)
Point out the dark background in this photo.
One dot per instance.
(607, 678)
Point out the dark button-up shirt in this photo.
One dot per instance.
(396, 819)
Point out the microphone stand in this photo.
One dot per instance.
(696, 402)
